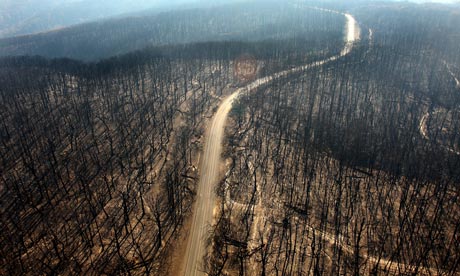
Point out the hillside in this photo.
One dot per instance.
(232, 22)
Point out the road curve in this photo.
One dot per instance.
(423, 126)
(205, 198)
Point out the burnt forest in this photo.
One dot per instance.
(200, 137)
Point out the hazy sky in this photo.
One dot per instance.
(436, 1)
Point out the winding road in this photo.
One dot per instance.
(423, 125)
(210, 164)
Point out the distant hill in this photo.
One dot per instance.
(19, 17)
(252, 21)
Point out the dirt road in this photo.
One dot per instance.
(205, 200)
